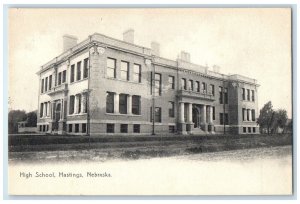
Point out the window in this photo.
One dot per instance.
(110, 128)
(221, 94)
(253, 96)
(109, 102)
(42, 89)
(253, 129)
(78, 103)
(249, 129)
(83, 129)
(64, 76)
(124, 128)
(76, 128)
(183, 84)
(137, 74)
(226, 119)
(46, 108)
(41, 110)
(136, 128)
(72, 73)
(157, 84)
(59, 78)
(70, 127)
(136, 105)
(243, 114)
(78, 77)
(253, 114)
(50, 82)
(221, 119)
(191, 85)
(111, 68)
(44, 128)
(41, 128)
(158, 114)
(243, 94)
(214, 113)
(203, 87)
(125, 70)
(244, 129)
(197, 86)
(248, 112)
(84, 101)
(72, 103)
(171, 128)
(85, 68)
(212, 89)
(171, 109)
(46, 84)
(226, 95)
(248, 94)
(123, 103)
(172, 82)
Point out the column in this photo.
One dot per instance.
(190, 113)
(210, 114)
(129, 104)
(204, 114)
(116, 103)
(181, 117)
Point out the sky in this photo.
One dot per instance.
(254, 42)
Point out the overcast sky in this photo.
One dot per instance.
(252, 42)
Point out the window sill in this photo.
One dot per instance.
(120, 114)
(77, 114)
(77, 81)
(128, 81)
(48, 117)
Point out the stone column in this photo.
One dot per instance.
(203, 121)
(129, 104)
(204, 113)
(210, 114)
(116, 103)
(181, 118)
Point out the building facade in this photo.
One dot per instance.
(108, 86)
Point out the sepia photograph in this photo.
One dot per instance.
(150, 101)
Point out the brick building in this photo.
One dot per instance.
(108, 86)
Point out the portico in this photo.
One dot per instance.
(195, 118)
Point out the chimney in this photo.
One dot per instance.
(185, 56)
(128, 36)
(216, 68)
(69, 41)
(155, 48)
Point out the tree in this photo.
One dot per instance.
(266, 117)
(281, 120)
(31, 119)
(15, 116)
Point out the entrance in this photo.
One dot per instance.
(196, 117)
(57, 116)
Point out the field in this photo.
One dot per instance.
(29, 148)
